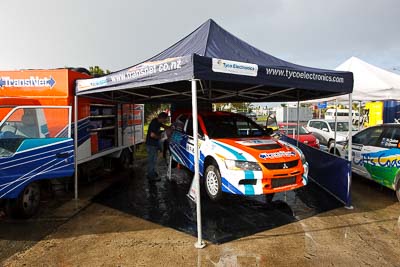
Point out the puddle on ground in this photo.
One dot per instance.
(233, 217)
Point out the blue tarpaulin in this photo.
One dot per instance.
(330, 172)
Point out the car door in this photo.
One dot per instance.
(190, 141)
(315, 128)
(179, 140)
(365, 143)
(385, 155)
(325, 132)
(36, 144)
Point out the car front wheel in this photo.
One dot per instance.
(212, 183)
(27, 203)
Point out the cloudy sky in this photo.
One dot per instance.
(120, 33)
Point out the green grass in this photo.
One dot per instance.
(140, 151)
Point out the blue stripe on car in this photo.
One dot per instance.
(248, 189)
(229, 187)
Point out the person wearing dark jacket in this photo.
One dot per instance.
(153, 144)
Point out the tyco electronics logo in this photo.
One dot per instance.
(234, 67)
(33, 81)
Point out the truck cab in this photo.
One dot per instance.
(32, 149)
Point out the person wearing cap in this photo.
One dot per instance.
(153, 144)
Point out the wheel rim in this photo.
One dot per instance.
(31, 198)
(212, 183)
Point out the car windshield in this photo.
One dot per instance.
(342, 126)
(290, 129)
(231, 126)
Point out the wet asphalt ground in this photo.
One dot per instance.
(123, 219)
(166, 203)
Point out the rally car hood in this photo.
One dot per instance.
(264, 149)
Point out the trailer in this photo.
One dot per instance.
(378, 112)
(287, 113)
(37, 141)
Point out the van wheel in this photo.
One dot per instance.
(125, 159)
(27, 203)
(212, 182)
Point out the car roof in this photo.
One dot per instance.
(329, 120)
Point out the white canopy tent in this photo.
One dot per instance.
(370, 82)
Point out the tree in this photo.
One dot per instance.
(152, 110)
(96, 71)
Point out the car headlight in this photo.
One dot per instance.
(302, 157)
(240, 165)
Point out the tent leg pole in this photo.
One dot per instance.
(359, 114)
(298, 120)
(76, 146)
(200, 243)
(334, 137)
(350, 151)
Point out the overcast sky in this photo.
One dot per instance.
(120, 33)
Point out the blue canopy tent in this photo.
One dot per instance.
(226, 69)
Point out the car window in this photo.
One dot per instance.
(189, 128)
(342, 126)
(315, 124)
(271, 121)
(231, 126)
(324, 125)
(368, 137)
(179, 123)
(390, 138)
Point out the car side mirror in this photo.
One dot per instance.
(325, 129)
(268, 131)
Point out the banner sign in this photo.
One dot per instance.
(142, 72)
(234, 67)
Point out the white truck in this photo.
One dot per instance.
(284, 114)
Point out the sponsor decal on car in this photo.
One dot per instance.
(275, 155)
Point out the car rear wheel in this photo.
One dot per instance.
(27, 203)
(330, 143)
(212, 183)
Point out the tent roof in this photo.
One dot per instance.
(230, 70)
(370, 82)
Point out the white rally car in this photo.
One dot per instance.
(237, 156)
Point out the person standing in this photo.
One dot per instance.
(153, 144)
